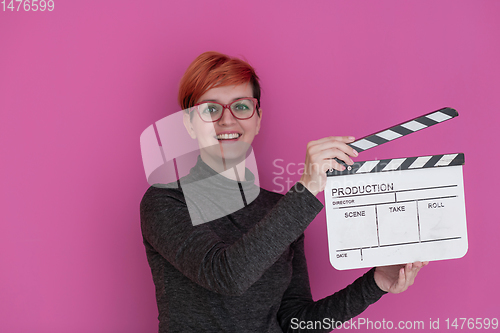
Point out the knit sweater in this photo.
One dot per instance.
(243, 272)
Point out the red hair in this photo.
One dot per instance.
(214, 68)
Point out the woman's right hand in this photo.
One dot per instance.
(320, 156)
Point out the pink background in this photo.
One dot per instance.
(78, 86)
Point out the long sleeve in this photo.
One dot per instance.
(297, 304)
(209, 261)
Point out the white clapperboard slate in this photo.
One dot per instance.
(397, 211)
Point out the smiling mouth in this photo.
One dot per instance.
(228, 136)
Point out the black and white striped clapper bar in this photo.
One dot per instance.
(400, 210)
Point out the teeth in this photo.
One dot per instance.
(228, 136)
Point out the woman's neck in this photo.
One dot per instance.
(228, 168)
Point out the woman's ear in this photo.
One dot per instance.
(258, 121)
(186, 119)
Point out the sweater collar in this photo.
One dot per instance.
(210, 196)
(202, 171)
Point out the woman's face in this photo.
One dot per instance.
(213, 147)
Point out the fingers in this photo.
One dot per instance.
(339, 142)
(320, 157)
(328, 157)
(346, 139)
(401, 285)
(407, 275)
(325, 150)
(411, 271)
(327, 142)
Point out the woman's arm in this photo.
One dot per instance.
(202, 256)
(230, 269)
(297, 304)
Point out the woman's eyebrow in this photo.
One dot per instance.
(214, 100)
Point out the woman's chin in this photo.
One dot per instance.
(234, 146)
(228, 152)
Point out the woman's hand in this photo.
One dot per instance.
(397, 278)
(320, 156)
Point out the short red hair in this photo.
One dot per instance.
(214, 68)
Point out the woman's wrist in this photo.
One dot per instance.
(310, 189)
(377, 279)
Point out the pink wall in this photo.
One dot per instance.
(78, 86)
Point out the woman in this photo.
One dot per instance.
(244, 271)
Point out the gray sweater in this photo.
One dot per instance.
(244, 272)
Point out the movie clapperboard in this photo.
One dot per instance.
(400, 210)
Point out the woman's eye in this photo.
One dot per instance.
(241, 107)
(210, 109)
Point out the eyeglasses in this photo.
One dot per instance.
(242, 108)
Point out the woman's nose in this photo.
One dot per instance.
(227, 117)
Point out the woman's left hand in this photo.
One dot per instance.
(397, 278)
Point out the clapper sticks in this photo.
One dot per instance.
(403, 129)
(395, 211)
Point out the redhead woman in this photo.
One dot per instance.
(244, 270)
